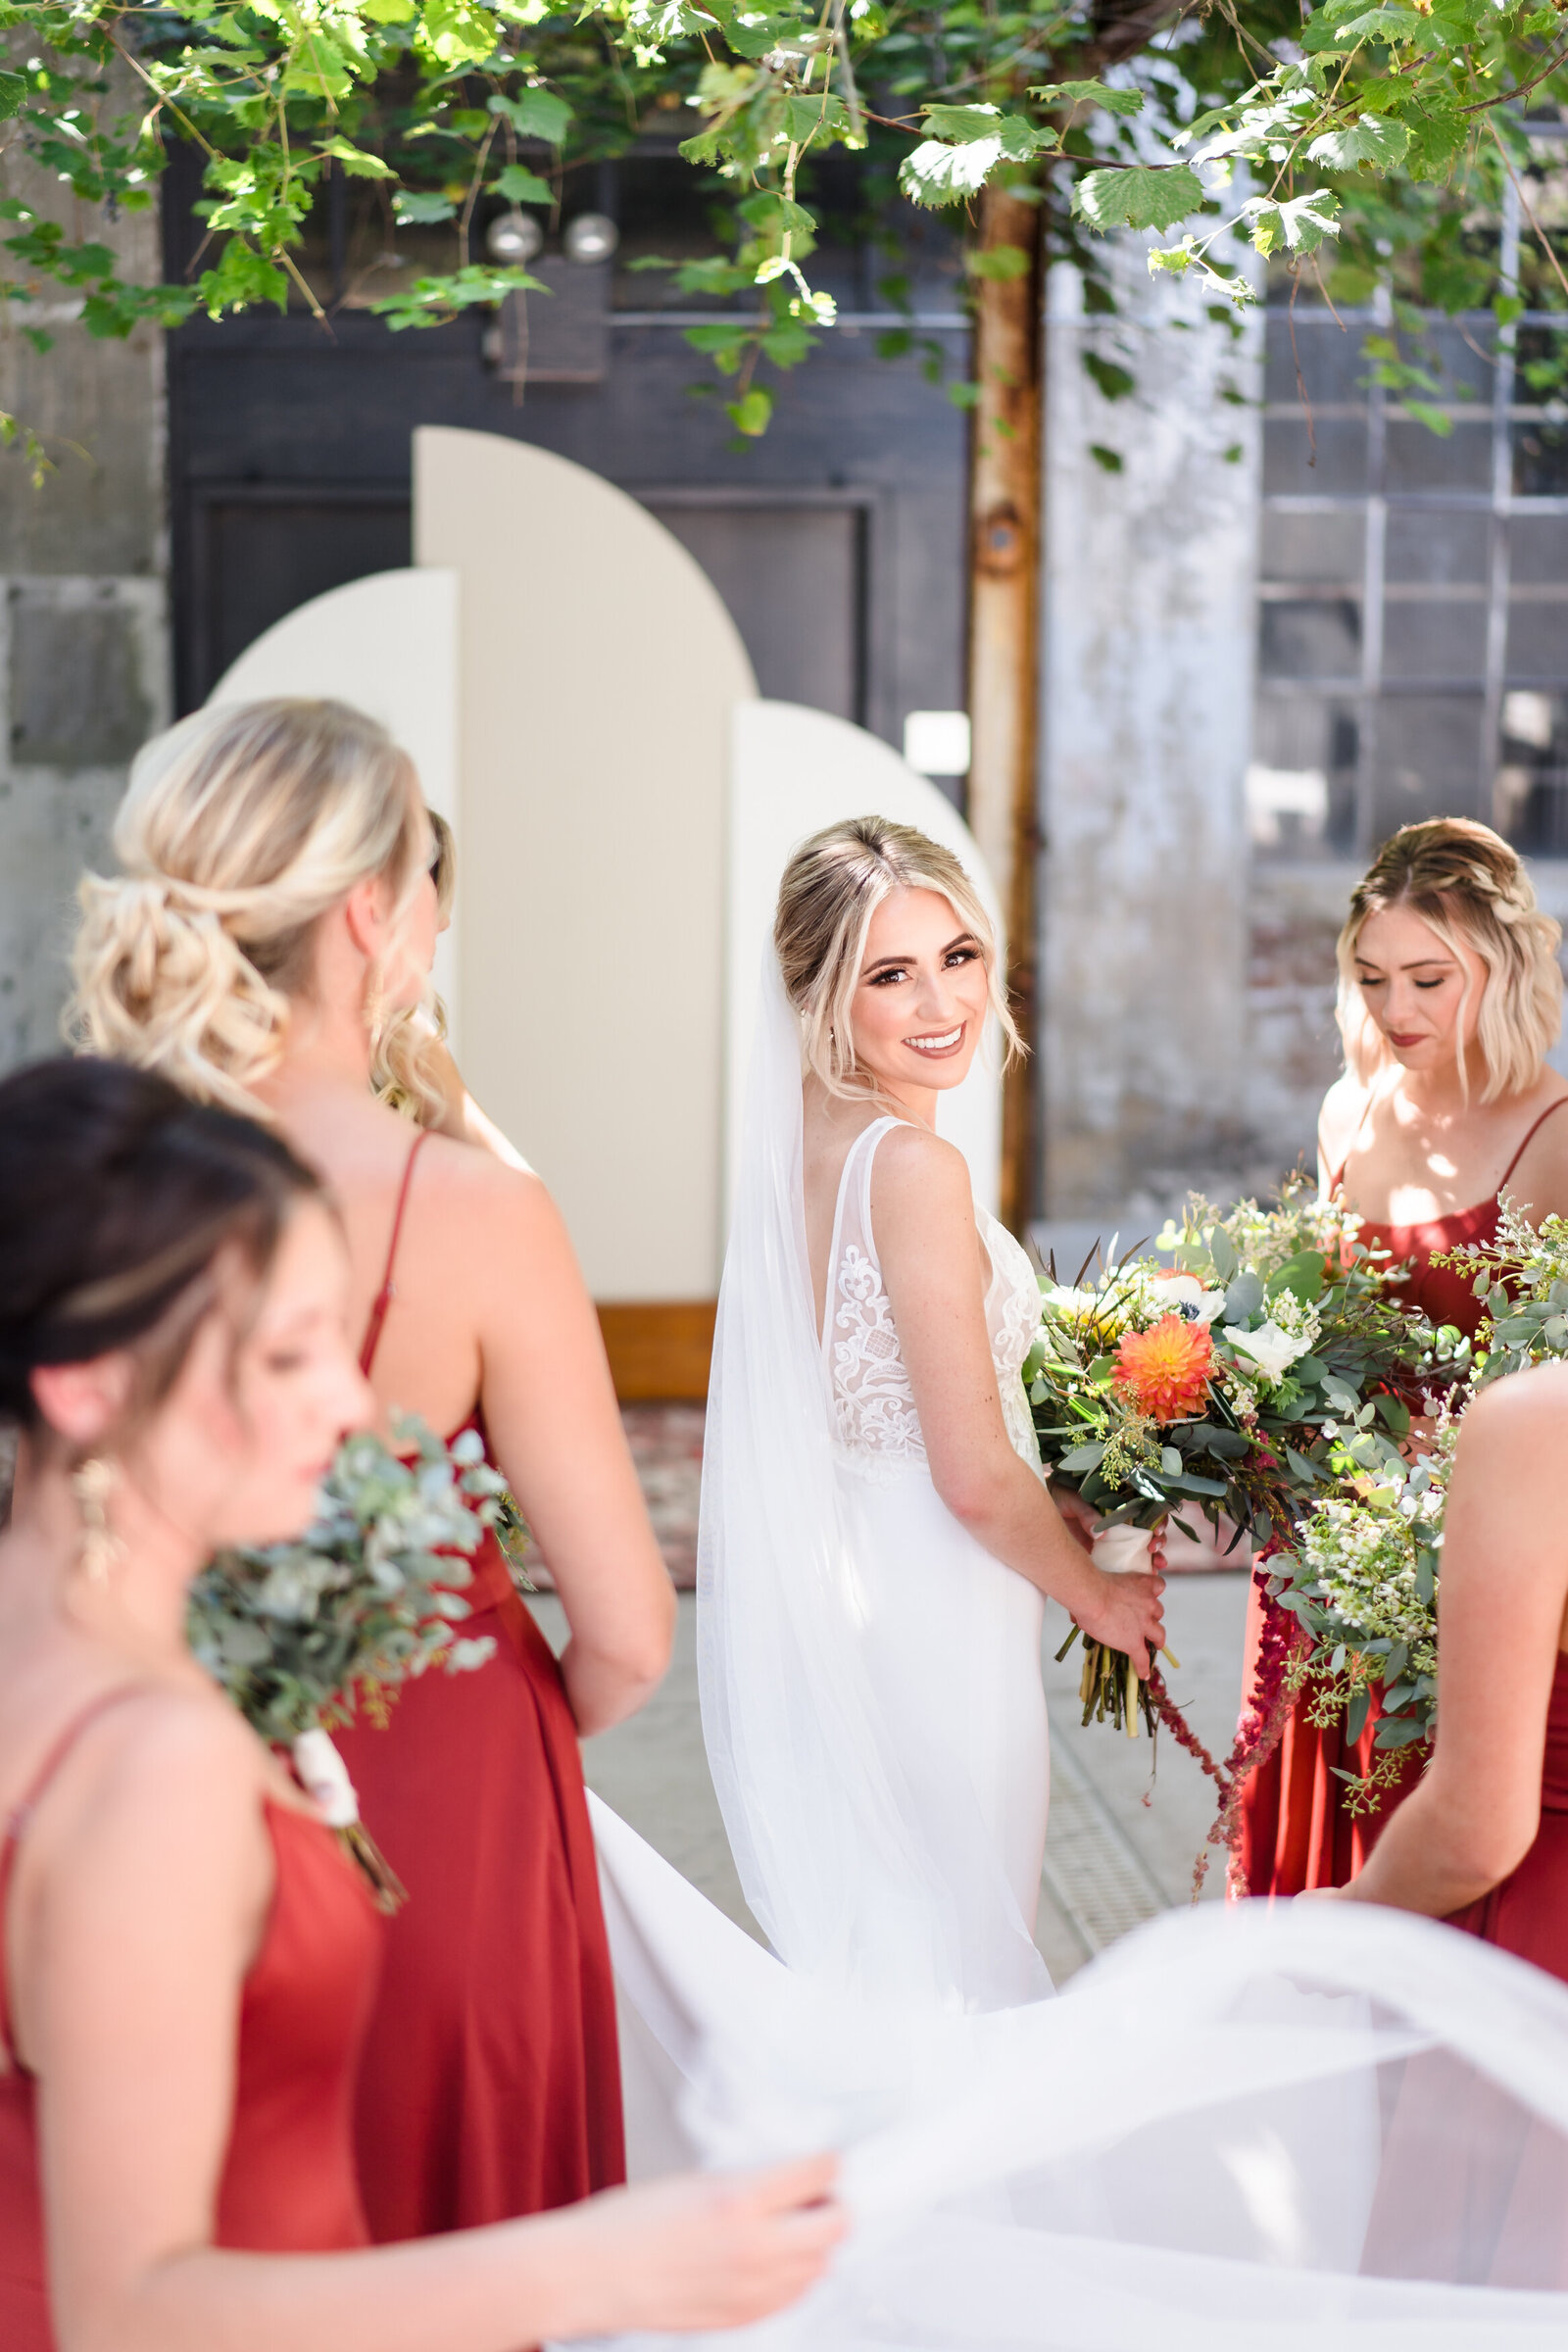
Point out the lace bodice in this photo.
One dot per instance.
(875, 1414)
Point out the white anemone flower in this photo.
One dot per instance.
(1184, 1294)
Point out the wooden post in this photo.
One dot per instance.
(1004, 560)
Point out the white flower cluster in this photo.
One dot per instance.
(1364, 1563)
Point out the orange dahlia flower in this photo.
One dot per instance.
(1164, 1372)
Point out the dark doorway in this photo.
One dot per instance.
(258, 550)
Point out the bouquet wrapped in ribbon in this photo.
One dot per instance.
(1213, 1382)
(301, 1634)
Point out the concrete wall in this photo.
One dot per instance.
(1148, 700)
(83, 615)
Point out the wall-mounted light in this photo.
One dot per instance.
(936, 743)
(591, 237)
(513, 238)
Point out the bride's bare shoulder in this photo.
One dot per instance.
(919, 1170)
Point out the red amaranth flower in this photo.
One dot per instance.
(1164, 1372)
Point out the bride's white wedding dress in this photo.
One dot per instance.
(1186, 2146)
(950, 1643)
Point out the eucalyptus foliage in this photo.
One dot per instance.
(367, 1598)
(1303, 128)
(1522, 1281)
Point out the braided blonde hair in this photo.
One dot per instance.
(240, 828)
(833, 885)
(1470, 888)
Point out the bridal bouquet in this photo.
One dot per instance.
(300, 1634)
(1216, 1384)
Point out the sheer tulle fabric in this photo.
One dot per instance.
(1267, 2125)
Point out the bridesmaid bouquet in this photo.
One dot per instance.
(1362, 1585)
(1218, 1385)
(300, 1634)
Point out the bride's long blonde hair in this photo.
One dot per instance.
(240, 828)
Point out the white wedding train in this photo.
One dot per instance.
(1311, 2125)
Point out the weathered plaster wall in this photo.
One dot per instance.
(83, 621)
(1148, 700)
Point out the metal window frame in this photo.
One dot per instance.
(1368, 688)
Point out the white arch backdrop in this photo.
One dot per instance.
(580, 706)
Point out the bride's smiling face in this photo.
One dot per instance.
(922, 995)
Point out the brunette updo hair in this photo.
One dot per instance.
(242, 827)
(832, 886)
(1469, 887)
(118, 1196)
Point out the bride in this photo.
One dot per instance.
(876, 1538)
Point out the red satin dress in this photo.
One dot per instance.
(490, 2084)
(1296, 1832)
(288, 2183)
(1527, 1912)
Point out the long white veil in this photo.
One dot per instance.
(801, 1771)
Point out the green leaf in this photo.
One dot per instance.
(1301, 1276)
(936, 175)
(535, 114)
(974, 140)
(1140, 197)
(419, 208)
(1356, 1715)
(1090, 93)
(13, 94)
(518, 185)
(1110, 460)
(1372, 141)
(355, 160)
(388, 11)
(964, 125)
(749, 415)
(458, 32)
(1115, 383)
(1082, 1459)
(1000, 263)
(1297, 227)
(240, 278)
(1400, 1731)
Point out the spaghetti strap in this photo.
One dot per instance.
(1528, 1140)
(22, 1813)
(388, 1290)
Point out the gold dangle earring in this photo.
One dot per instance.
(92, 1485)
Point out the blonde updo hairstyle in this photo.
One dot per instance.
(1469, 887)
(242, 827)
(833, 885)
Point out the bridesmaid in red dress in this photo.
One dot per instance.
(187, 1961)
(491, 2078)
(1449, 999)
